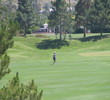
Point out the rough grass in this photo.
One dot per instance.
(80, 73)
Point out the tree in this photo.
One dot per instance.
(100, 15)
(14, 90)
(7, 30)
(25, 15)
(47, 7)
(59, 17)
(36, 17)
(10, 5)
(82, 12)
(71, 19)
(39, 18)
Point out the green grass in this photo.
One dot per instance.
(82, 70)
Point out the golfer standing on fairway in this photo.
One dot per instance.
(54, 58)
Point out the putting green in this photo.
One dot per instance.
(99, 53)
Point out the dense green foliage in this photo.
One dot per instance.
(60, 18)
(82, 12)
(25, 15)
(100, 15)
(93, 14)
(17, 91)
(37, 19)
(7, 30)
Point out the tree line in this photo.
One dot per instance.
(64, 17)
(93, 14)
(88, 14)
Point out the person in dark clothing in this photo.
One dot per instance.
(54, 58)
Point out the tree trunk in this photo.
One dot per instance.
(60, 32)
(25, 32)
(84, 32)
(64, 35)
(101, 33)
(60, 29)
(60, 35)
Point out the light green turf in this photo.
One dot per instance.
(76, 75)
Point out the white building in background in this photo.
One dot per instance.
(45, 25)
(42, 29)
(50, 9)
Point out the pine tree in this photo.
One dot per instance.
(25, 15)
(7, 30)
(36, 17)
(100, 15)
(59, 17)
(108, 14)
(82, 12)
(14, 90)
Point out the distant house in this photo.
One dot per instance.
(43, 29)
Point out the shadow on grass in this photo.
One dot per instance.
(52, 44)
(93, 38)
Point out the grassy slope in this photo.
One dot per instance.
(82, 71)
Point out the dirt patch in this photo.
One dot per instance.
(41, 36)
